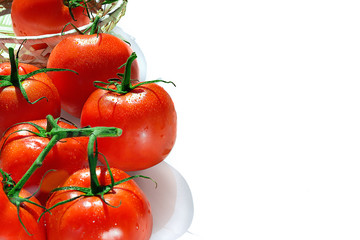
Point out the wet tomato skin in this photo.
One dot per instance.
(94, 57)
(129, 216)
(148, 119)
(39, 17)
(10, 226)
(20, 149)
(13, 106)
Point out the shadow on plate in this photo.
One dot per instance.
(171, 202)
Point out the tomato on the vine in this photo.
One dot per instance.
(39, 17)
(14, 106)
(20, 146)
(10, 225)
(146, 114)
(93, 57)
(123, 213)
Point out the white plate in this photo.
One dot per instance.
(171, 202)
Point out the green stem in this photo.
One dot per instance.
(94, 26)
(56, 133)
(15, 79)
(53, 129)
(14, 75)
(94, 182)
(126, 83)
(123, 84)
(37, 163)
(51, 123)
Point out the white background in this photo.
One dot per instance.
(268, 103)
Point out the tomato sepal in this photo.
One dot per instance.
(15, 199)
(123, 84)
(15, 79)
(95, 189)
(55, 133)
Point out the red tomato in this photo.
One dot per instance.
(147, 117)
(13, 106)
(93, 57)
(39, 17)
(10, 226)
(20, 149)
(91, 218)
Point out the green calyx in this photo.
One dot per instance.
(8, 185)
(7, 181)
(15, 79)
(55, 133)
(123, 83)
(88, 192)
(96, 189)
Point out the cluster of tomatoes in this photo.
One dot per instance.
(52, 186)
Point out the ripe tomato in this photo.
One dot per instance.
(93, 57)
(13, 106)
(129, 216)
(147, 117)
(10, 226)
(20, 149)
(39, 17)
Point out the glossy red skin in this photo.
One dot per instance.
(90, 218)
(21, 149)
(13, 106)
(148, 119)
(39, 17)
(94, 58)
(10, 226)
